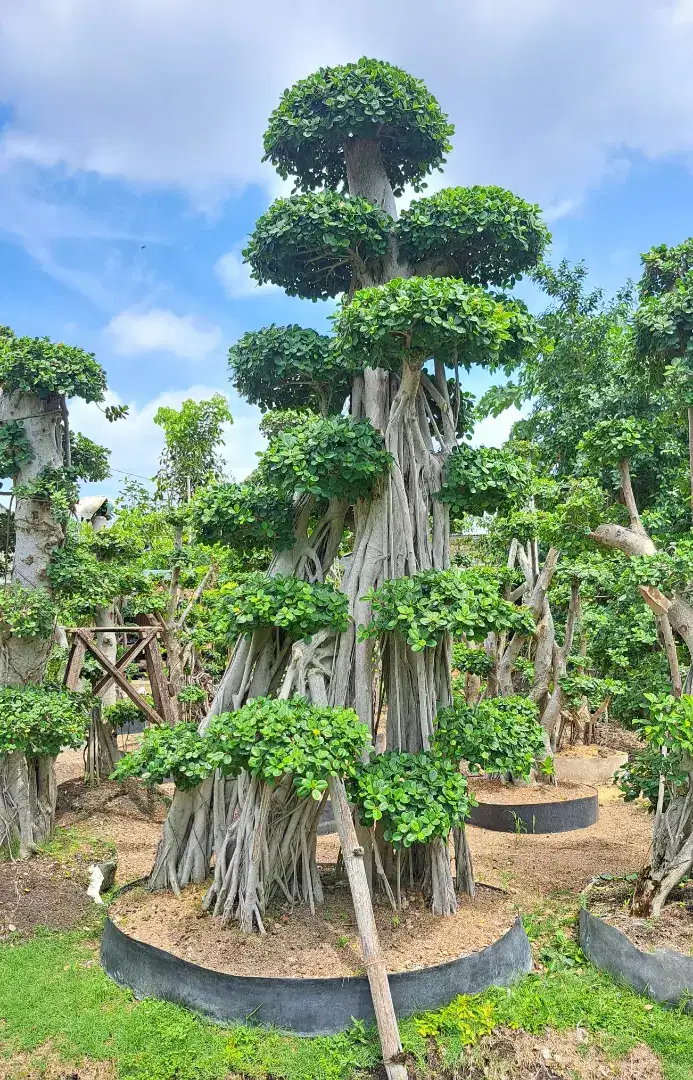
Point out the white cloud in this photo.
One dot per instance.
(234, 275)
(545, 95)
(136, 441)
(494, 430)
(158, 330)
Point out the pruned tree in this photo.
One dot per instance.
(420, 305)
(45, 462)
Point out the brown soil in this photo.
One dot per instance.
(127, 814)
(569, 1055)
(44, 1063)
(616, 737)
(504, 1055)
(301, 945)
(42, 892)
(495, 791)
(534, 866)
(673, 929)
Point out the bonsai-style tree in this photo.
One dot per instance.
(44, 461)
(356, 504)
(608, 391)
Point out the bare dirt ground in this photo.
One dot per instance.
(532, 866)
(128, 815)
(301, 945)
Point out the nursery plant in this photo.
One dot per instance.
(354, 492)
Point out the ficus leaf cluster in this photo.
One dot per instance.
(300, 608)
(26, 613)
(420, 317)
(243, 516)
(40, 366)
(475, 661)
(489, 234)
(56, 486)
(365, 100)
(289, 367)
(269, 738)
(90, 461)
(15, 448)
(640, 776)
(484, 479)
(416, 798)
(428, 605)
(664, 319)
(311, 244)
(38, 720)
(498, 735)
(328, 457)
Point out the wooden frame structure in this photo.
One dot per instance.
(147, 631)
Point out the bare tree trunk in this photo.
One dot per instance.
(27, 785)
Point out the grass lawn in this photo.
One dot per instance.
(54, 996)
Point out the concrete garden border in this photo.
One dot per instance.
(541, 817)
(663, 975)
(305, 1006)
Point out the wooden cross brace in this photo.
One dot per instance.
(82, 642)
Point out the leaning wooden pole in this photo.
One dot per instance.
(370, 946)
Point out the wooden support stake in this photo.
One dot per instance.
(75, 663)
(363, 909)
(118, 677)
(157, 675)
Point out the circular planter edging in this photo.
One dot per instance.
(663, 975)
(307, 1007)
(541, 817)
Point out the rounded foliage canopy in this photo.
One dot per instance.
(498, 735)
(289, 367)
(416, 797)
(39, 366)
(308, 244)
(330, 457)
(424, 317)
(268, 738)
(243, 516)
(489, 234)
(663, 266)
(282, 601)
(40, 720)
(428, 605)
(369, 99)
(483, 479)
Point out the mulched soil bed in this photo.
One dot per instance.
(610, 900)
(42, 892)
(301, 945)
(495, 791)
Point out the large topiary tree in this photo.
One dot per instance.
(374, 484)
(45, 461)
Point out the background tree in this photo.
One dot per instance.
(36, 377)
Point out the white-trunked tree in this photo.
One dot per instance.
(45, 461)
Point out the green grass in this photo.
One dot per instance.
(52, 990)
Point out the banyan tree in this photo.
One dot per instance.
(356, 612)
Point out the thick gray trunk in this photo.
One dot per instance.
(27, 785)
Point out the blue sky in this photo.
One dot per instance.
(130, 172)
